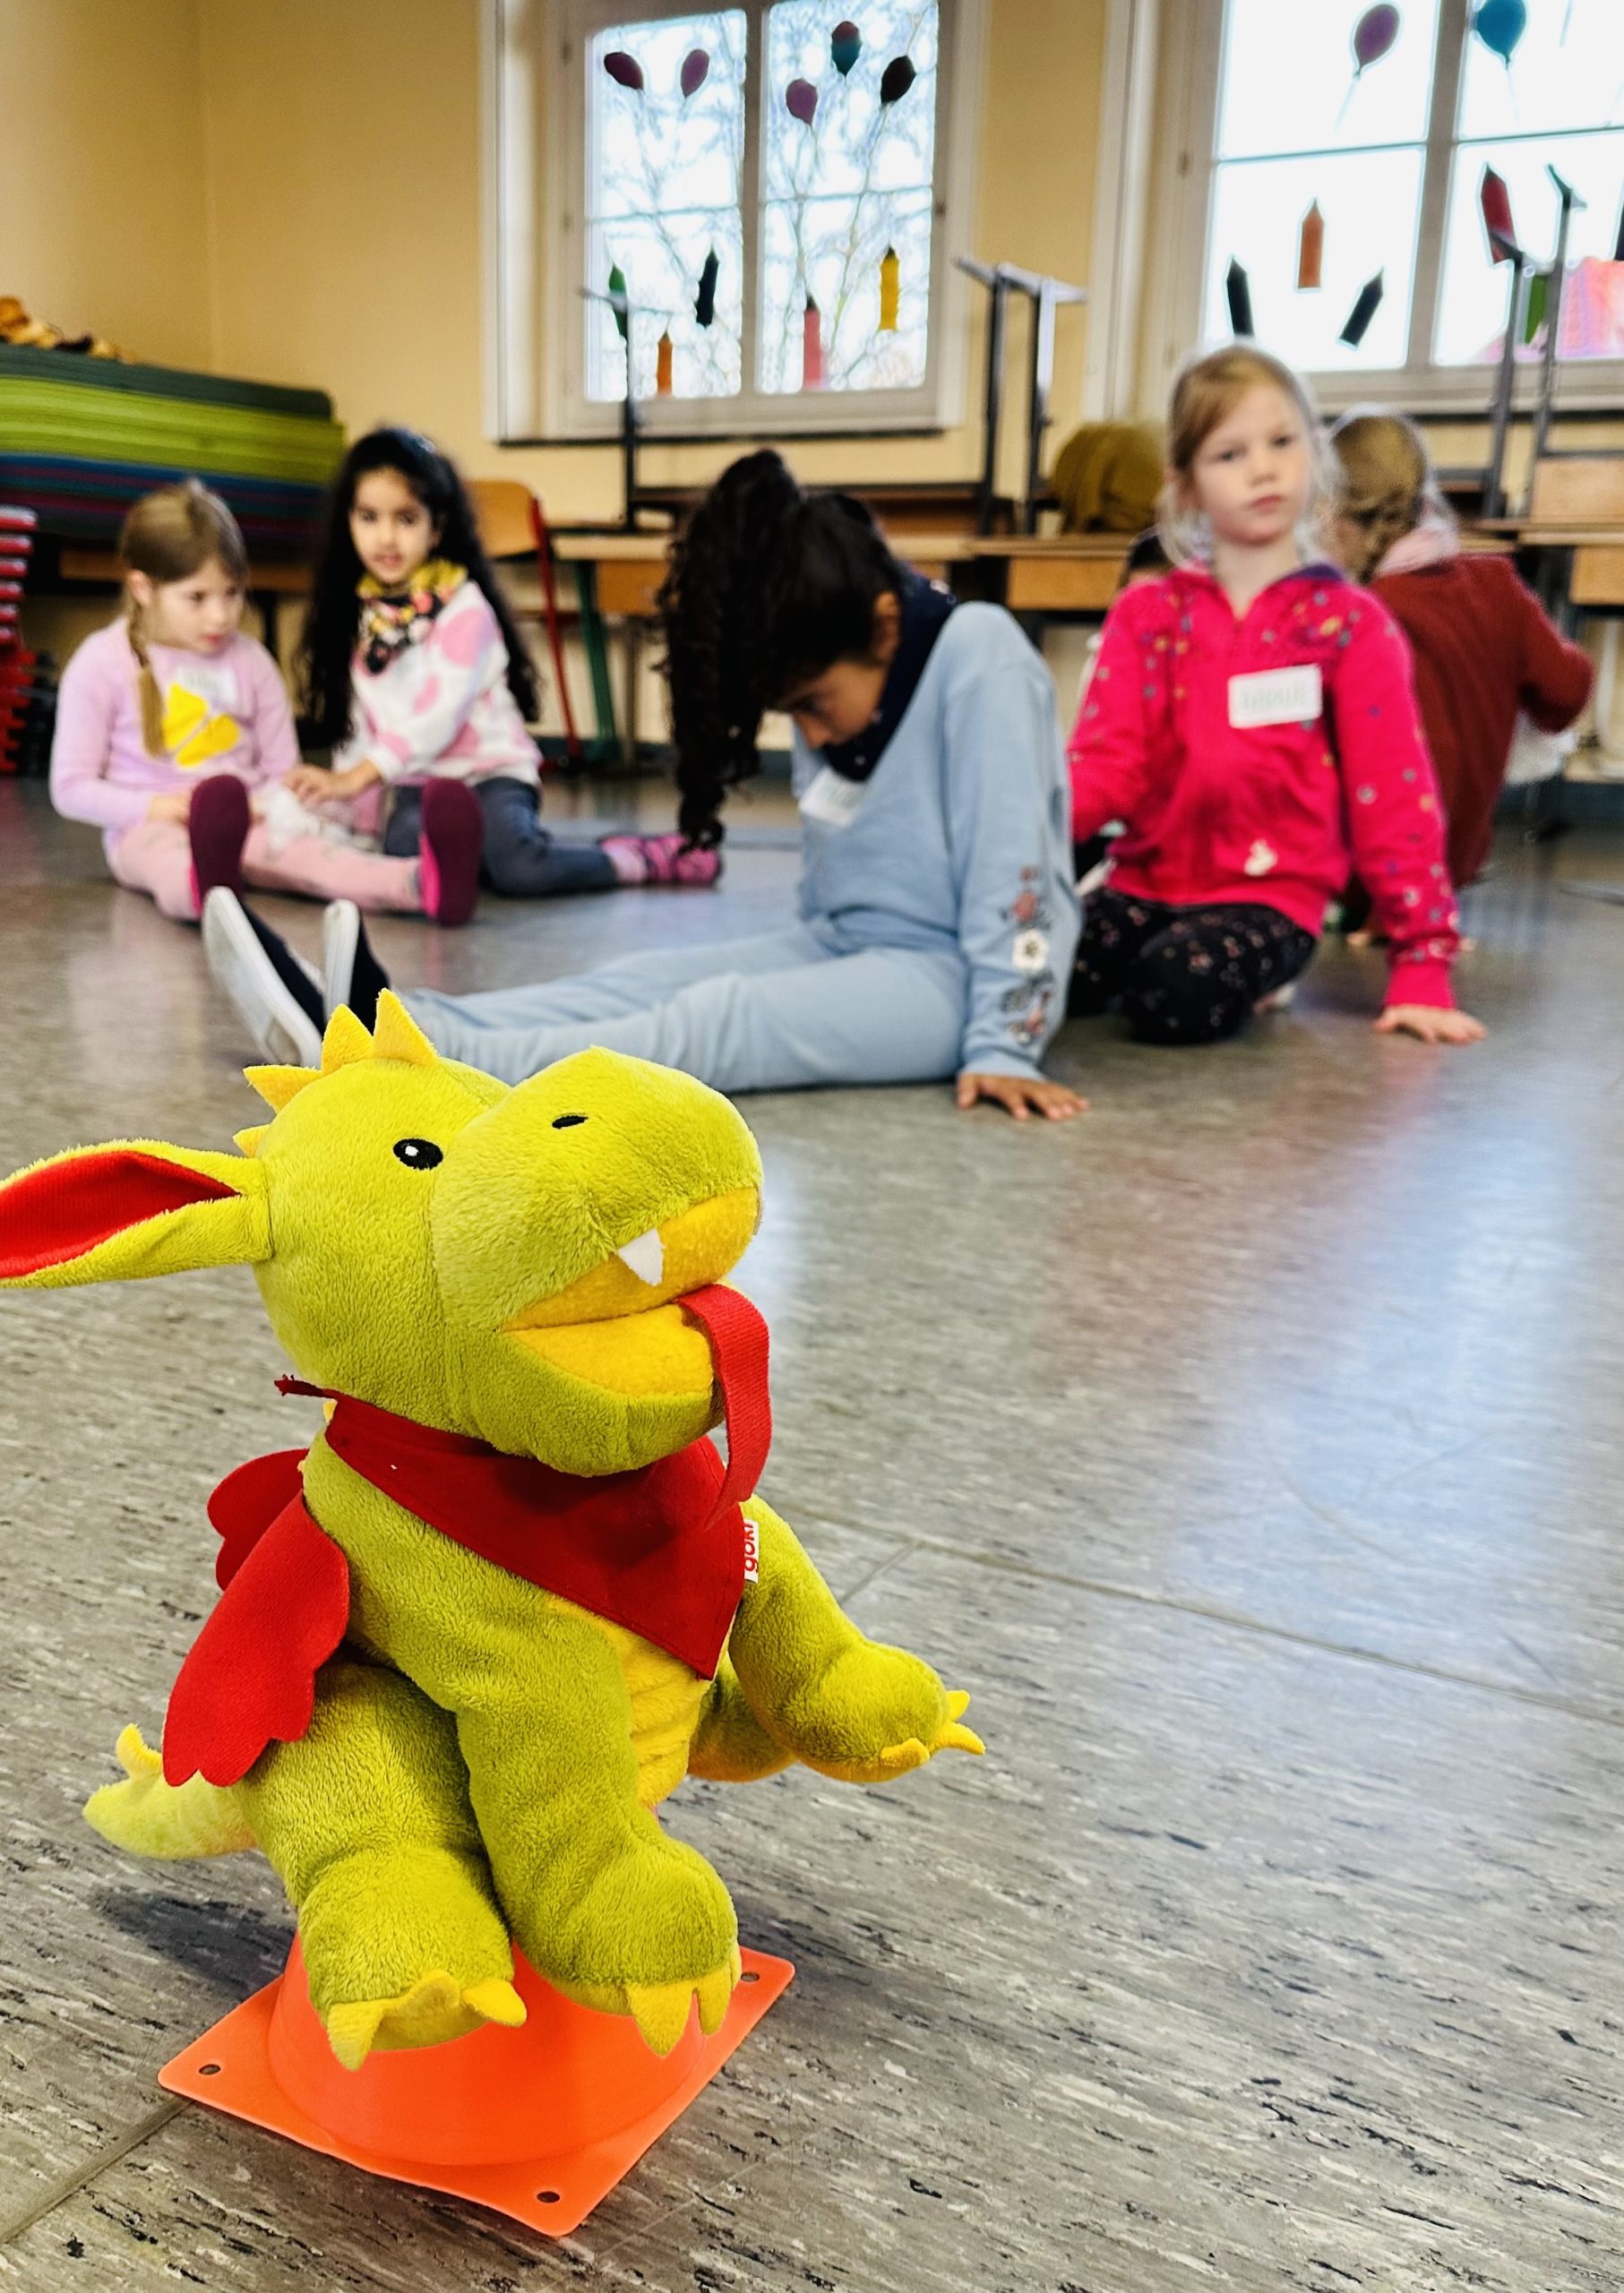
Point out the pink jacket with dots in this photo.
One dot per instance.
(1275, 815)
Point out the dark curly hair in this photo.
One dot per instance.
(768, 587)
(323, 664)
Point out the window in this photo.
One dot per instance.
(1347, 150)
(774, 187)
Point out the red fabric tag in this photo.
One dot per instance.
(250, 1677)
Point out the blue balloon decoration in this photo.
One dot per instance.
(1499, 24)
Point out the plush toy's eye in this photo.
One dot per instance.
(567, 1121)
(418, 1153)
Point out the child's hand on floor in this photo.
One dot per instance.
(1426, 1021)
(177, 807)
(315, 784)
(1023, 1096)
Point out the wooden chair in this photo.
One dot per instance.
(512, 524)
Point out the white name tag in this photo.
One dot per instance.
(1275, 697)
(832, 799)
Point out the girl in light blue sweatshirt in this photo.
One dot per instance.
(937, 920)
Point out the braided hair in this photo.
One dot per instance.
(1387, 482)
(169, 536)
(327, 640)
(768, 587)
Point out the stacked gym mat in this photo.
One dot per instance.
(80, 439)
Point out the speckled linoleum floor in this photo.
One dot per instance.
(1248, 1448)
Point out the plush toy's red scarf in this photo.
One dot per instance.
(660, 1550)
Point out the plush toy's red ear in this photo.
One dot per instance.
(113, 1214)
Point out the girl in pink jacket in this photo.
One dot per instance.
(1252, 719)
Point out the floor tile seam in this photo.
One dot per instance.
(78, 2177)
(1226, 1620)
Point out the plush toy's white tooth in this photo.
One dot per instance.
(646, 1256)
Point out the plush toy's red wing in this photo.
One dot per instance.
(247, 1501)
(250, 1677)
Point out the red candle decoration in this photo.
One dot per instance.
(811, 348)
(1495, 202)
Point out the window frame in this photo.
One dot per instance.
(1194, 35)
(537, 141)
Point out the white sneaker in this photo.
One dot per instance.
(1281, 1000)
(341, 935)
(242, 966)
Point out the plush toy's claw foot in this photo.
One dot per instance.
(432, 2011)
(148, 1816)
(660, 2009)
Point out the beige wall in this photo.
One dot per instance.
(343, 152)
(102, 184)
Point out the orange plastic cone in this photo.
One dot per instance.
(539, 2123)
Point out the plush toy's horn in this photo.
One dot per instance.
(117, 1213)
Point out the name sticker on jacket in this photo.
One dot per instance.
(832, 799)
(1275, 697)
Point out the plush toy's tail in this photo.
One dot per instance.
(148, 1816)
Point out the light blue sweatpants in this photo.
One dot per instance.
(768, 1014)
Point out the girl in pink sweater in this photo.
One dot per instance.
(1253, 720)
(174, 735)
(413, 674)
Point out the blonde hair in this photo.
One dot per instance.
(1388, 483)
(169, 536)
(1207, 388)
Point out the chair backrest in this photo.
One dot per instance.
(504, 509)
(1585, 490)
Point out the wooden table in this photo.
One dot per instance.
(631, 567)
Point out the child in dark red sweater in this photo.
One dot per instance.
(1252, 721)
(1483, 649)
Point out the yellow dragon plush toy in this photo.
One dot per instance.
(471, 1638)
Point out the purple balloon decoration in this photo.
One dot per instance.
(897, 79)
(625, 71)
(844, 46)
(1374, 34)
(1499, 24)
(801, 101)
(696, 67)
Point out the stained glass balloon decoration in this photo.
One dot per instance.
(844, 46)
(1494, 203)
(1238, 293)
(662, 366)
(1364, 309)
(617, 285)
(897, 79)
(801, 101)
(1500, 24)
(696, 69)
(704, 302)
(1538, 302)
(1618, 245)
(625, 71)
(1373, 35)
(1310, 250)
(891, 291)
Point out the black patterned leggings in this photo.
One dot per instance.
(1182, 974)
